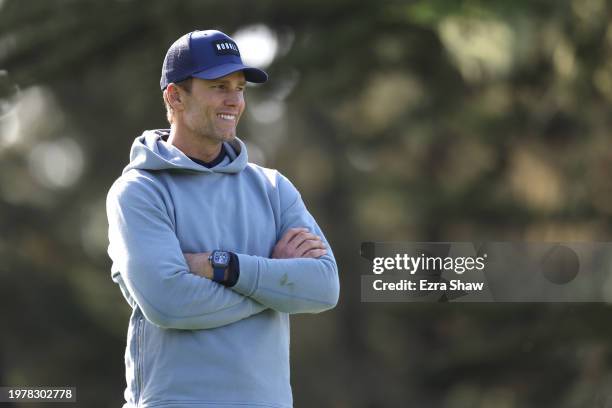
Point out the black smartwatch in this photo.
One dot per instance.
(220, 262)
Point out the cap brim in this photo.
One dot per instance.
(251, 74)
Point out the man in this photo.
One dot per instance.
(213, 253)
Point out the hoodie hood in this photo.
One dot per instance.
(150, 151)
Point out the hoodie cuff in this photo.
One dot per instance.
(249, 275)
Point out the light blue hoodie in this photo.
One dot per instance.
(192, 342)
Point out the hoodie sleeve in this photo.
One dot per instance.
(146, 253)
(299, 285)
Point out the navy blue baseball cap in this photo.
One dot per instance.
(208, 54)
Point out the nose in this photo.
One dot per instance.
(233, 98)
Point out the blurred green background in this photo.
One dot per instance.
(397, 120)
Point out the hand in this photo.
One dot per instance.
(299, 243)
(199, 264)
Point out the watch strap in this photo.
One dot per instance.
(219, 275)
(233, 271)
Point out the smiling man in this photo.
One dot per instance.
(213, 253)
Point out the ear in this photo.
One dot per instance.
(173, 96)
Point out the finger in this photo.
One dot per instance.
(308, 245)
(301, 237)
(309, 239)
(297, 232)
(282, 249)
(314, 253)
(297, 244)
(298, 240)
(289, 234)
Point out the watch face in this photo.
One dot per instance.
(221, 258)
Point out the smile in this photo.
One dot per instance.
(226, 116)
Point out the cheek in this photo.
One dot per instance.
(190, 116)
(196, 118)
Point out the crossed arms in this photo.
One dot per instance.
(301, 276)
(296, 243)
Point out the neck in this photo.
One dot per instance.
(193, 146)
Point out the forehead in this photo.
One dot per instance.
(231, 81)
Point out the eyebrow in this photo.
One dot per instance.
(226, 81)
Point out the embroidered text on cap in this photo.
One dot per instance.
(224, 47)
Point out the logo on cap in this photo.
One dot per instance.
(225, 47)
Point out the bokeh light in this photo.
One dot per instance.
(57, 163)
(258, 45)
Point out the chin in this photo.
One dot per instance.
(228, 138)
(222, 137)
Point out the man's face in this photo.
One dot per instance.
(213, 107)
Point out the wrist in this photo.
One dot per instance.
(219, 261)
(202, 266)
(207, 269)
(223, 266)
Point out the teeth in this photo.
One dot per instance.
(226, 116)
